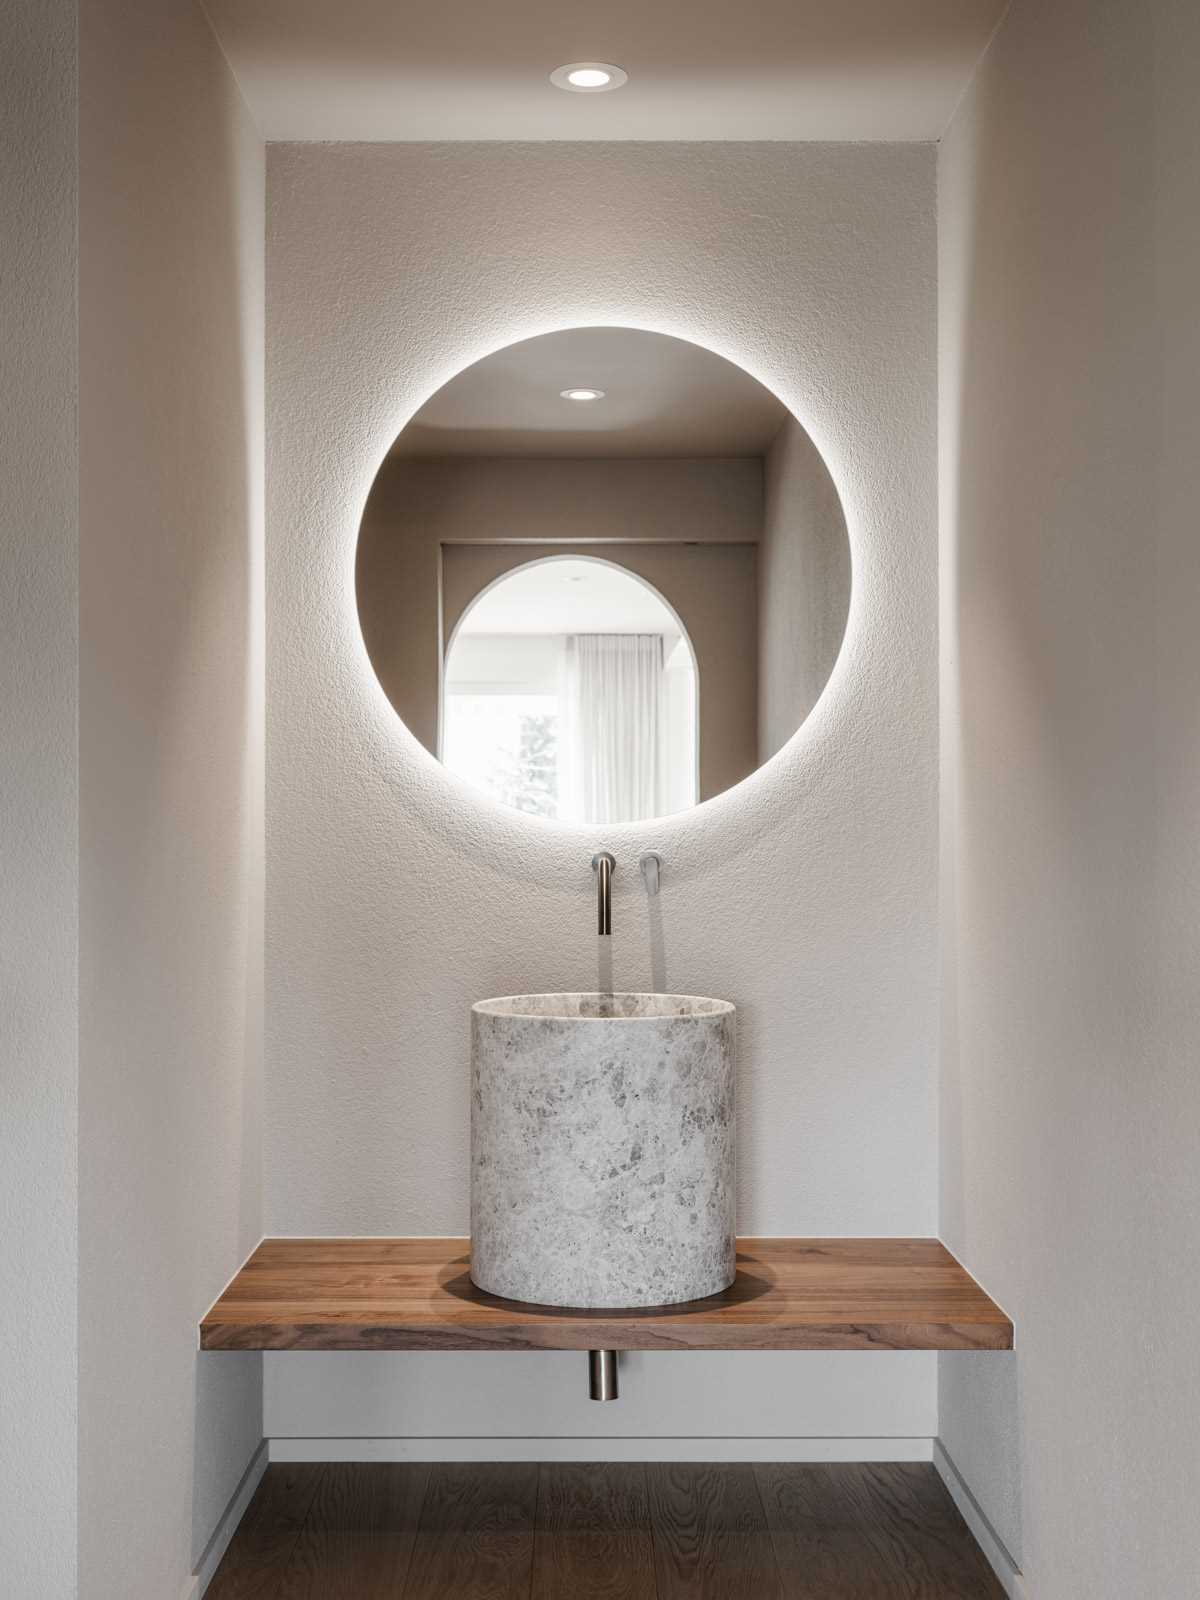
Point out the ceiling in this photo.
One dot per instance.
(566, 594)
(698, 69)
(662, 397)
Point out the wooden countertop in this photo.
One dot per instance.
(790, 1294)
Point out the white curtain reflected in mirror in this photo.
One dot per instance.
(570, 692)
(613, 730)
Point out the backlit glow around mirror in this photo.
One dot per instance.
(509, 501)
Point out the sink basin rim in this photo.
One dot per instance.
(556, 1006)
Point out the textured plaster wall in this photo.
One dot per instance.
(806, 895)
(803, 586)
(1070, 407)
(39, 854)
(171, 340)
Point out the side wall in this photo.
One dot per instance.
(171, 783)
(1070, 402)
(807, 894)
(803, 586)
(39, 851)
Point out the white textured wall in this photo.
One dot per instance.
(1070, 403)
(38, 799)
(807, 895)
(171, 340)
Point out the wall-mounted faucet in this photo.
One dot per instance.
(604, 865)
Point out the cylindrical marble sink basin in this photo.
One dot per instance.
(602, 1148)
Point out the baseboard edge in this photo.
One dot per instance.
(216, 1547)
(628, 1448)
(995, 1551)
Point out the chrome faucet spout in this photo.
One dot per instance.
(604, 865)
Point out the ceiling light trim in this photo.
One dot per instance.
(589, 77)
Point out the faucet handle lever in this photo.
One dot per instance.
(650, 867)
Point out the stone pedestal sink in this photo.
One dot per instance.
(602, 1148)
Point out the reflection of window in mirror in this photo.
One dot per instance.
(570, 691)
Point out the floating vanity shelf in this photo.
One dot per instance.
(790, 1294)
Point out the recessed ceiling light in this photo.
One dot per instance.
(582, 394)
(588, 77)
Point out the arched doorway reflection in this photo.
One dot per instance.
(570, 691)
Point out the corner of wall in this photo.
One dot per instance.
(39, 799)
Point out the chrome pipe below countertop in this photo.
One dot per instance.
(602, 1374)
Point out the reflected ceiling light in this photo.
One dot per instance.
(588, 77)
(582, 394)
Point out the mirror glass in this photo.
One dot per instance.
(603, 575)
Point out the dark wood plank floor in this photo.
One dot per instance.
(669, 1531)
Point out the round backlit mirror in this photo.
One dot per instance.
(603, 575)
